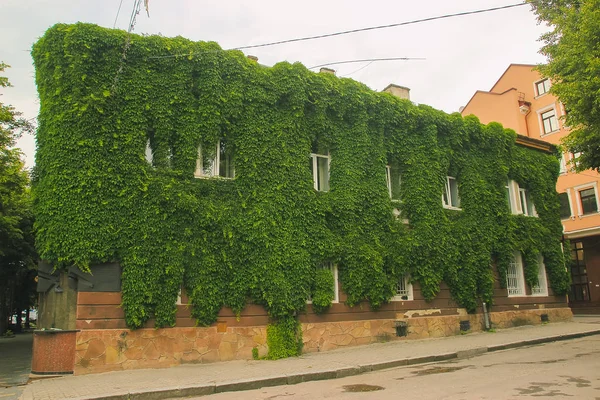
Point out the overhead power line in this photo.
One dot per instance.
(371, 28)
(367, 60)
(132, 19)
(117, 17)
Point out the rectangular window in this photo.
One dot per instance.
(510, 196)
(514, 276)
(450, 197)
(225, 160)
(404, 289)
(588, 201)
(394, 182)
(319, 167)
(542, 87)
(565, 206)
(541, 289)
(563, 164)
(218, 162)
(549, 121)
(527, 206)
(149, 153)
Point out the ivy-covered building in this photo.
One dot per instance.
(258, 211)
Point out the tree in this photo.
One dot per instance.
(573, 52)
(17, 252)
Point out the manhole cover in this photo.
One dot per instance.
(361, 387)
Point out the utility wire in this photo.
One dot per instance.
(132, 19)
(358, 70)
(368, 60)
(118, 11)
(371, 28)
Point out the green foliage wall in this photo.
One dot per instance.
(261, 236)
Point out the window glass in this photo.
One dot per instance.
(319, 168)
(565, 206)
(403, 289)
(149, 154)
(588, 201)
(450, 196)
(541, 289)
(549, 121)
(514, 276)
(394, 182)
(225, 160)
(542, 87)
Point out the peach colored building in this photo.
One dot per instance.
(521, 100)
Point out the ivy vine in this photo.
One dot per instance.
(261, 237)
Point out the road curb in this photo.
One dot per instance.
(292, 379)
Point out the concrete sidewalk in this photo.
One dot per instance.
(202, 379)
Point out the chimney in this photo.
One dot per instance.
(327, 71)
(398, 91)
(253, 58)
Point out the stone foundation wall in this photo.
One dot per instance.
(101, 350)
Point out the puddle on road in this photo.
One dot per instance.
(539, 391)
(361, 387)
(528, 362)
(578, 381)
(438, 370)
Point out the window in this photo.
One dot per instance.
(588, 201)
(542, 87)
(549, 121)
(319, 167)
(219, 163)
(519, 200)
(565, 205)
(527, 207)
(541, 289)
(514, 276)
(450, 197)
(334, 271)
(394, 182)
(404, 289)
(149, 153)
(563, 164)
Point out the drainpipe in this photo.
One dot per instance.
(486, 317)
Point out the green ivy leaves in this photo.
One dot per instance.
(261, 236)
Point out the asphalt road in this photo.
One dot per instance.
(563, 370)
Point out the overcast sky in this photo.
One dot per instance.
(462, 54)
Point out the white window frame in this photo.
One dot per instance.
(578, 190)
(388, 177)
(541, 289)
(216, 162)
(315, 165)
(516, 204)
(149, 153)
(515, 280)
(547, 89)
(563, 164)
(403, 288)
(542, 111)
(336, 283)
(448, 190)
